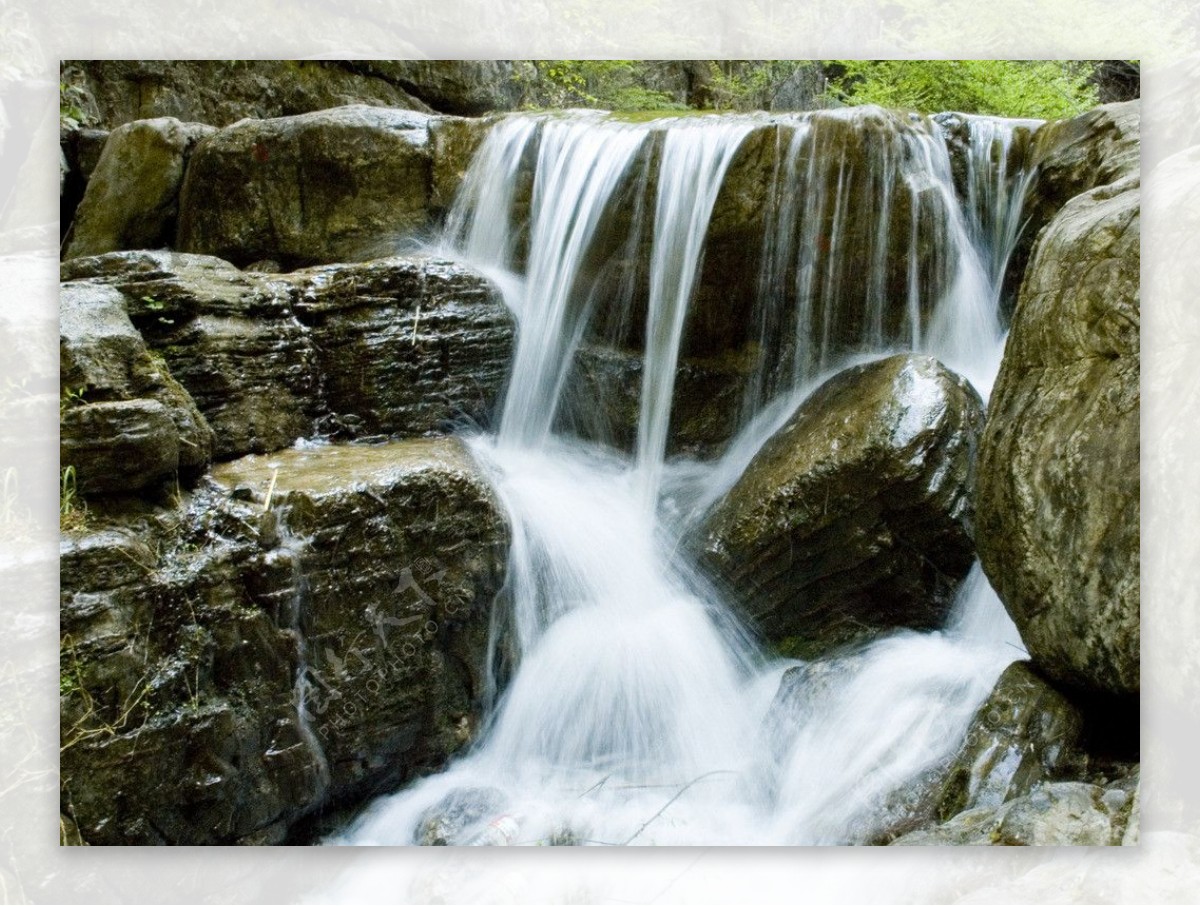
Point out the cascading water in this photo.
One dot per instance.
(630, 705)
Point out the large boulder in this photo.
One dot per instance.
(856, 515)
(1058, 499)
(303, 631)
(132, 196)
(126, 422)
(335, 185)
(397, 346)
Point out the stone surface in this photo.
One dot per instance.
(1025, 733)
(220, 92)
(856, 515)
(344, 184)
(1053, 814)
(196, 638)
(604, 390)
(132, 196)
(1058, 499)
(125, 421)
(397, 346)
(460, 87)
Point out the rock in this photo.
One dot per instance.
(399, 547)
(453, 143)
(1058, 498)
(856, 515)
(220, 92)
(132, 196)
(460, 87)
(1053, 814)
(1093, 149)
(406, 345)
(1074, 156)
(1025, 733)
(227, 671)
(458, 816)
(119, 446)
(335, 185)
(123, 415)
(397, 346)
(604, 389)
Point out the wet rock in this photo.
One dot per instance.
(604, 390)
(1073, 156)
(125, 418)
(1025, 733)
(1052, 814)
(398, 346)
(406, 344)
(344, 184)
(1093, 149)
(1058, 499)
(399, 547)
(458, 817)
(453, 143)
(119, 446)
(856, 515)
(227, 670)
(132, 196)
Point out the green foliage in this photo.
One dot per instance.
(603, 84)
(1045, 89)
(72, 99)
(72, 513)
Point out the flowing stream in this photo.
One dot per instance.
(629, 705)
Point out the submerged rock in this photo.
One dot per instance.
(856, 515)
(228, 668)
(1058, 500)
(132, 196)
(397, 346)
(334, 185)
(1025, 733)
(458, 817)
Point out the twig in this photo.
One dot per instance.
(270, 490)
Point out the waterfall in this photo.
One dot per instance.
(628, 703)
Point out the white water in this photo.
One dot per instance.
(630, 705)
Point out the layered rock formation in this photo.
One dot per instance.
(301, 631)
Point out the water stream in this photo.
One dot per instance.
(629, 704)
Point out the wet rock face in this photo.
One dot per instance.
(856, 515)
(190, 637)
(1025, 733)
(603, 396)
(335, 185)
(398, 346)
(132, 195)
(1058, 500)
(126, 423)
